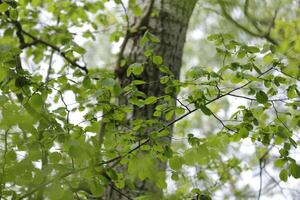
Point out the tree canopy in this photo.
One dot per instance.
(96, 101)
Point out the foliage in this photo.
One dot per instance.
(46, 152)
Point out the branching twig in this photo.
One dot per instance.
(247, 30)
(186, 107)
(133, 30)
(126, 14)
(262, 163)
(20, 34)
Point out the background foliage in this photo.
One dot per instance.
(237, 109)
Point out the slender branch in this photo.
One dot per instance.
(247, 30)
(288, 75)
(126, 14)
(62, 176)
(280, 120)
(221, 121)
(186, 107)
(133, 30)
(20, 34)
(49, 66)
(277, 183)
(51, 56)
(253, 22)
(260, 178)
(253, 99)
(67, 118)
(262, 163)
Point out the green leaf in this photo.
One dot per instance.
(136, 69)
(13, 14)
(37, 101)
(3, 7)
(205, 110)
(279, 163)
(243, 132)
(169, 115)
(158, 60)
(252, 49)
(295, 170)
(283, 175)
(55, 157)
(79, 49)
(176, 163)
(108, 82)
(261, 97)
(87, 83)
(268, 58)
(205, 197)
(151, 100)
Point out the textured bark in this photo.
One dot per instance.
(170, 26)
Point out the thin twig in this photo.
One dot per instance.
(247, 30)
(20, 34)
(186, 107)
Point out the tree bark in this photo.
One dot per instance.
(170, 26)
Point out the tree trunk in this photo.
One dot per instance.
(170, 26)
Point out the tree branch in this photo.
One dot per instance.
(250, 32)
(20, 34)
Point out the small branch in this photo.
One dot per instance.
(67, 119)
(288, 75)
(126, 14)
(50, 66)
(131, 31)
(260, 178)
(221, 121)
(250, 18)
(280, 120)
(186, 107)
(247, 30)
(57, 49)
(276, 183)
(253, 99)
(20, 34)
(262, 163)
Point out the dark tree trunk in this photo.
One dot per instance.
(170, 26)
